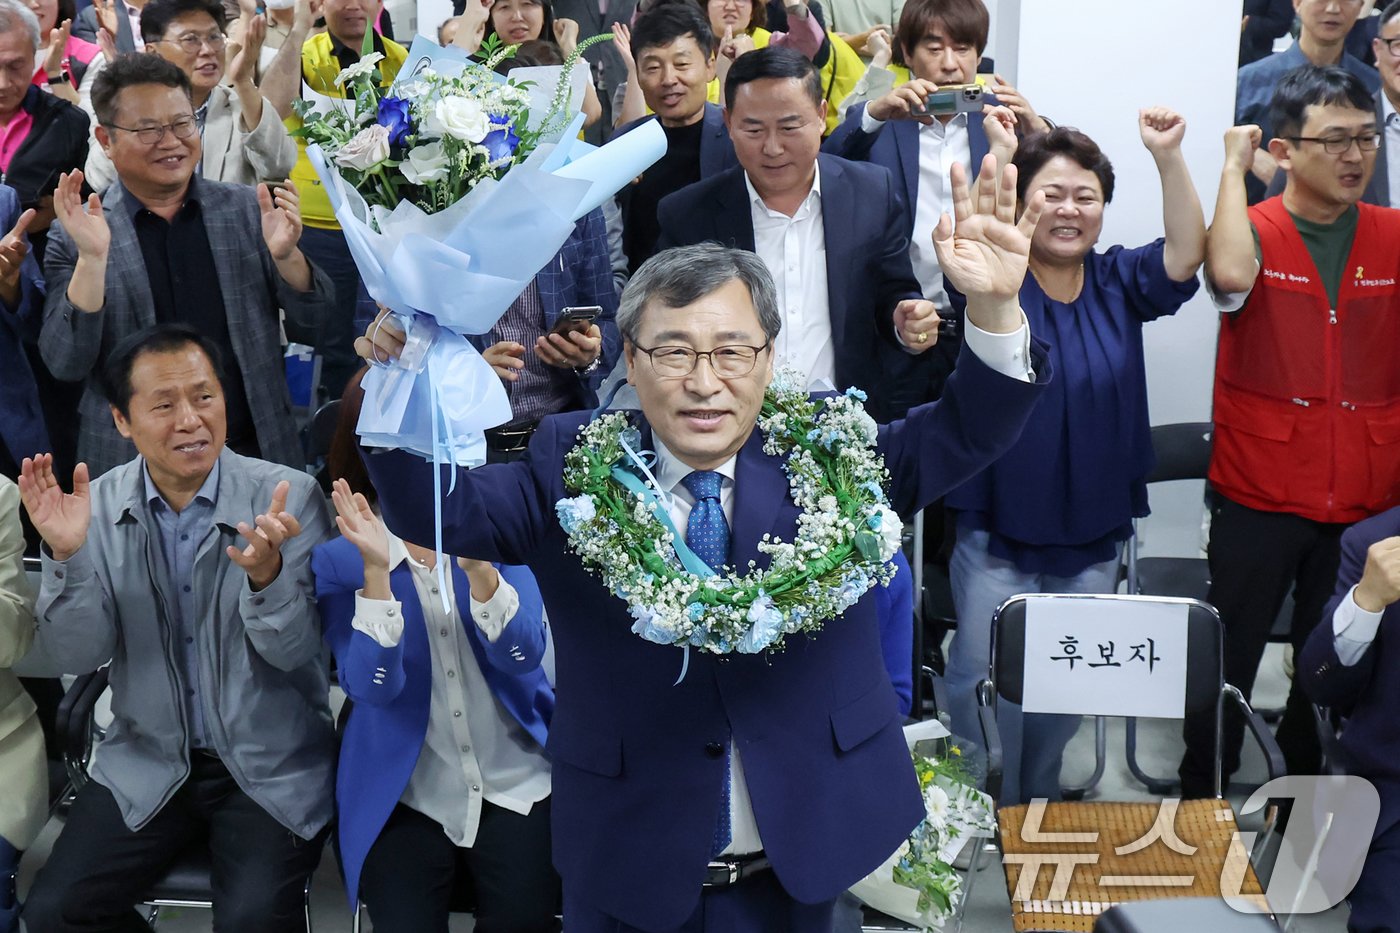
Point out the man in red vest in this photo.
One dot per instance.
(1307, 386)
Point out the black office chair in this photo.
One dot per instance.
(187, 883)
(1205, 689)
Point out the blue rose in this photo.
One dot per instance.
(394, 115)
(500, 143)
(766, 621)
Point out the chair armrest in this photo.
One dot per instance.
(939, 691)
(74, 723)
(991, 738)
(1273, 755)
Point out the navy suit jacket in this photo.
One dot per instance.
(868, 270)
(385, 734)
(22, 428)
(896, 146)
(716, 148)
(637, 776)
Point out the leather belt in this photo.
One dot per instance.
(723, 872)
(508, 440)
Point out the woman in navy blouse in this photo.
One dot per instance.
(1051, 515)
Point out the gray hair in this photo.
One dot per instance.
(10, 10)
(683, 275)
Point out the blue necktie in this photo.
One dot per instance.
(707, 534)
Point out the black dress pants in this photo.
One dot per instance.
(1255, 559)
(413, 870)
(99, 868)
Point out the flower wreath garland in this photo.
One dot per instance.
(846, 533)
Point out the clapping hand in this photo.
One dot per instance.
(243, 65)
(360, 526)
(58, 49)
(60, 518)
(261, 558)
(986, 256)
(13, 248)
(87, 229)
(622, 44)
(1162, 129)
(281, 219)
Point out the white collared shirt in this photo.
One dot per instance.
(1353, 629)
(744, 837)
(940, 146)
(794, 250)
(474, 749)
(1390, 143)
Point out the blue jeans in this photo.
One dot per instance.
(1033, 744)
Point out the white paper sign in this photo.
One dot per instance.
(1114, 657)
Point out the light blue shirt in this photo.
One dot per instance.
(180, 536)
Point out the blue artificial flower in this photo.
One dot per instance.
(696, 611)
(574, 513)
(646, 626)
(856, 394)
(394, 115)
(500, 143)
(766, 623)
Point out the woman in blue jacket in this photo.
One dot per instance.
(442, 766)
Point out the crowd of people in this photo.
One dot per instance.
(813, 211)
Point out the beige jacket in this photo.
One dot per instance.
(23, 773)
(231, 153)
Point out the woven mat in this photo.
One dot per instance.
(1100, 877)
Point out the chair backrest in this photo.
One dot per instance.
(1204, 671)
(1183, 451)
(323, 425)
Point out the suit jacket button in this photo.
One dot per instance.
(714, 749)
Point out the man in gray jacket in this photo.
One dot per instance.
(176, 571)
(166, 245)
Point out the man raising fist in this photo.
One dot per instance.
(186, 572)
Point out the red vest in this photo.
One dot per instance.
(1307, 398)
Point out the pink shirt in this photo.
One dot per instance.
(13, 135)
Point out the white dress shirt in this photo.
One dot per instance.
(1390, 148)
(940, 146)
(475, 749)
(794, 250)
(1353, 629)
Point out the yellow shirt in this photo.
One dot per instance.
(319, 68)
(842, 70)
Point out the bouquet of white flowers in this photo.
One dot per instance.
(454, 187)
(918, 883)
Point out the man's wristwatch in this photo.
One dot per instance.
(59, 78)
(591, 367)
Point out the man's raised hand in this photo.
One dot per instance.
(986, 256)
(261, 558)
(60, 518)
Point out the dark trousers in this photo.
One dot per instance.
(1255, 559)
(99, 868)
(336, 340)
(413, 871)
(1375, 900)
(755, 905)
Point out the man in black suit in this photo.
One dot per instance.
(831, 232)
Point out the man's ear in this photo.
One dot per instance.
(710, 69)
(629, 353)
(103, 137)
(123, 426)
(1281, 151)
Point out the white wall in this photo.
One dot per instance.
(1091, 64)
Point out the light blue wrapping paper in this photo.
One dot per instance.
(463, 267)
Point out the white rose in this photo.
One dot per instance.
(425, 164)
(366, 149)
(459, 117)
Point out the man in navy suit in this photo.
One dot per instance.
(675, 53)
(1350, 665)
(822, 786)
(831, 233)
